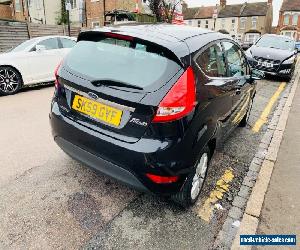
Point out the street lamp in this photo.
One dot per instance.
(68, 9)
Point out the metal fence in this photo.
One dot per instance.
(14, 33)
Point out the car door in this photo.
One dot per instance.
(43, 62)
(217, 88)
(238, 72)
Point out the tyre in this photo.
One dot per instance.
(288, 78)
(244, 121)
(10, 80)
(195, 180)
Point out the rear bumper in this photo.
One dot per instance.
(100, 164)
(126, 162)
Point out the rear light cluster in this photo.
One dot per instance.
(162, 179)
(180, 100)
(56, 83)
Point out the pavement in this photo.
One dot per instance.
(280, 212)
(272, 207)
(49, 201)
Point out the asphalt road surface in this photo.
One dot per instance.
(49, 201)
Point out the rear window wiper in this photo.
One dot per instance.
(108, 82)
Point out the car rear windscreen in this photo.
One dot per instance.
(144, 65)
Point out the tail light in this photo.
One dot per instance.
(180, 100)
(56, 75)
(162, 179)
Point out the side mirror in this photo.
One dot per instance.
(257, 74)
(40, 48)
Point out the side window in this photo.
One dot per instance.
(67, 43)
(212, 61)
(237, 64)
(51, 43)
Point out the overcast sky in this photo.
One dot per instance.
(276, 5)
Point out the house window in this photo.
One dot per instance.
(73, 4)
(251, 38)
(206, 24)
(17, 5)
(295, 19)
(243, 22)
(254, 22)
(95, 24)
(199, 23)
(286, 19)
(190, 22)
(288, 33)
(232, 24)
(29, 2)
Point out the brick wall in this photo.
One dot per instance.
(5, 11)
(121, 5)
(22, 14)
(94, 12)
(94, 9)
(294, 28)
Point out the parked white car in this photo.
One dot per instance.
(32, 62)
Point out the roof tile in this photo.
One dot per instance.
(290, 5)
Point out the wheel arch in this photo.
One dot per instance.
(212, 144)
(16, 69)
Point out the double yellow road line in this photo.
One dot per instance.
(264, 115)
(222, 186)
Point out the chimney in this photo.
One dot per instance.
(184, 6)
(223, 3)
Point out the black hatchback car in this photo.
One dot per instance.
(274, 55)
(148, 105)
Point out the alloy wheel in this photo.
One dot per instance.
(9, 80)
(199, 176)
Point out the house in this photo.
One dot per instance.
(43, 11)
(289, 19)
(201, 17)
(14, 10)
(5, 9)
(95, 9)
(255, 20)
(49, 11)
(245, 22)
(228, 19)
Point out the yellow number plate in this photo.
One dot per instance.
(97, 110)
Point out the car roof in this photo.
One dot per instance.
(173, 37)
(176, 32)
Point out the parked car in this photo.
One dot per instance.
(148, 105)
(274, 55)
(246, 45)
(31, 62)
(298, 46)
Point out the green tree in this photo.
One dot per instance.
(62, 17)
(156, 8)
(163, 9)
